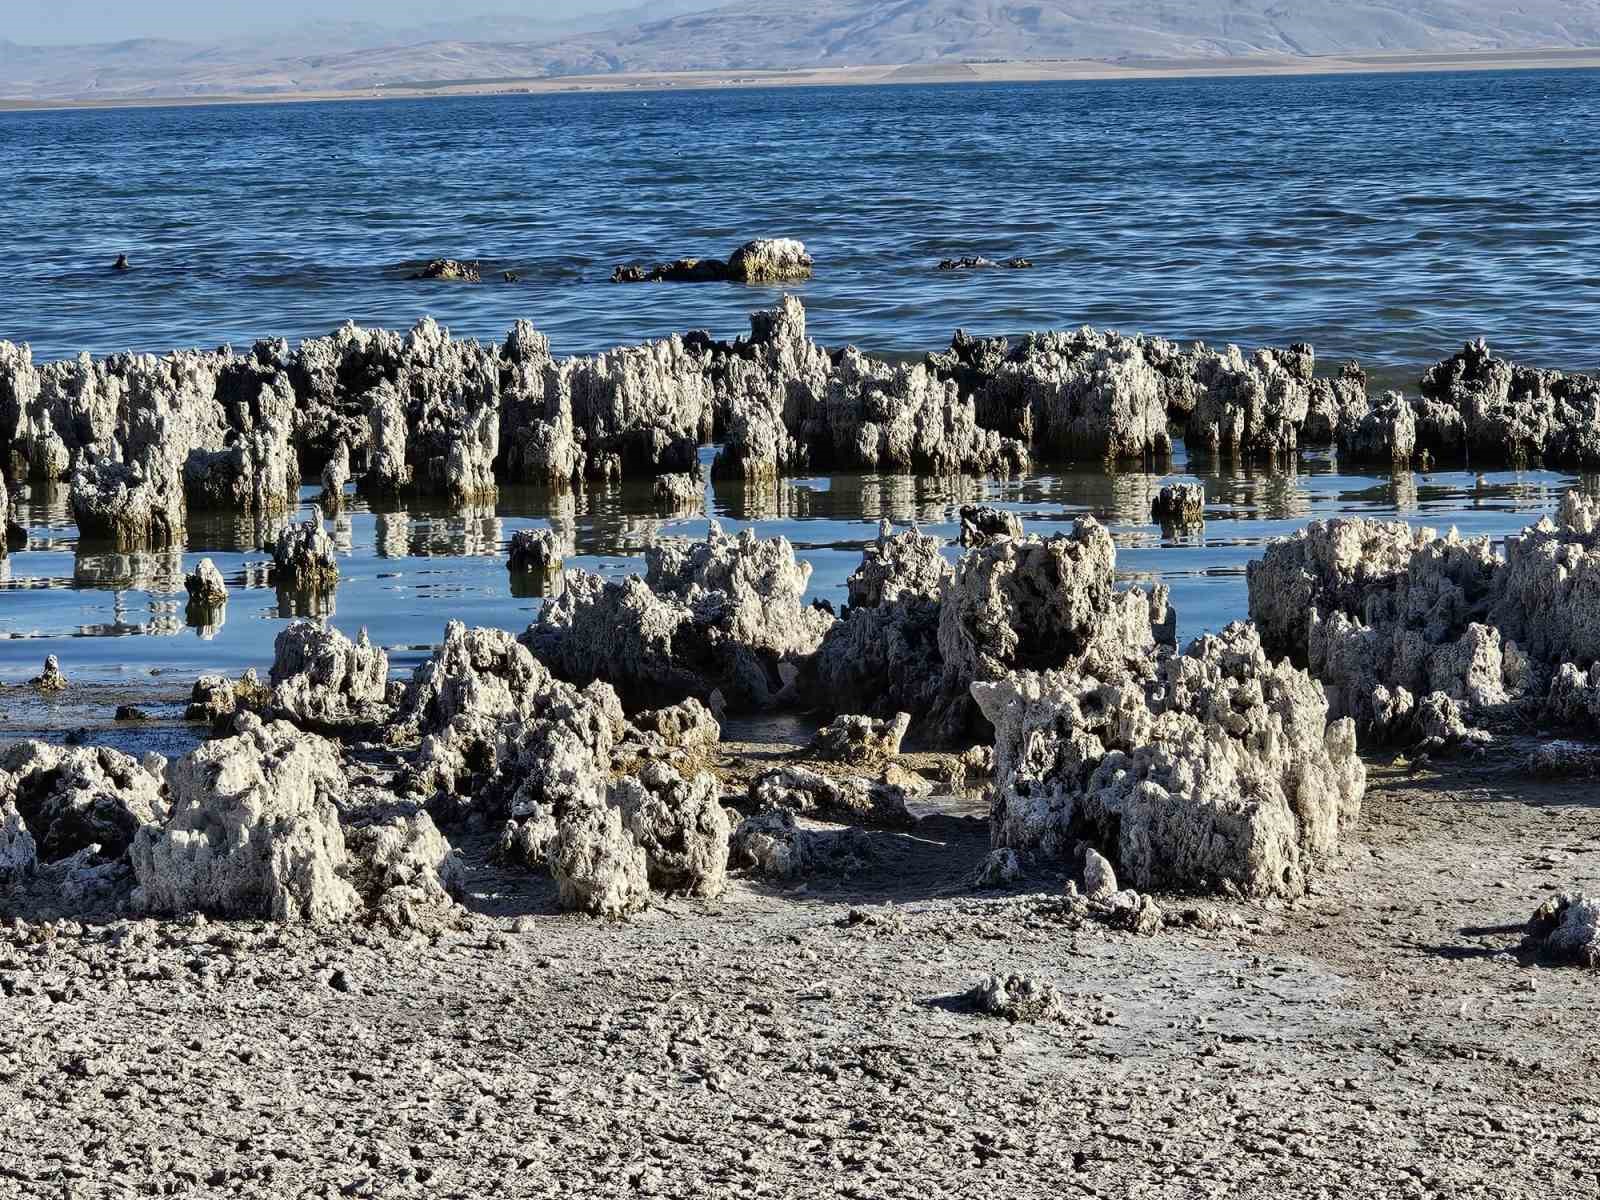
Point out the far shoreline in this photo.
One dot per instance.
(1031, 71)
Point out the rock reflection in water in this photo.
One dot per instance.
(405, 569)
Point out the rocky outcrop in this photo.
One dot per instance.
(1414, 633)
(501, 738)
(1218, 770)
(1336, 405)
(19, 853)
(1385, 435)
(1252, 406)
(388, 473)
(253, 831)
(323, 680)
(680, 825)
(905, 418)
(335, 478)
(406, 874)
(679, 492)
(1490, 410)
(134, 505)
(1033, 603)
(598, 866)
(723, 616)
(52, 678)
(76, 799)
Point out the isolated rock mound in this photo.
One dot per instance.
(536, 551)
(1566, 928)
(723, 616)
(1219, 771)
(205, 585)
(858, 741)
(406, 873)
(1180, 504)
(771, 260)
(253, 831)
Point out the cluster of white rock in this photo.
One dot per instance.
(1420, 637)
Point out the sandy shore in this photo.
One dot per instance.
(994, 72)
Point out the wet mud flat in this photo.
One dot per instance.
(1380, 1036)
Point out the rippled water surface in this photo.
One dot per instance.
(1387, 218)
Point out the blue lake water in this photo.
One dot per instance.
(1387, 218)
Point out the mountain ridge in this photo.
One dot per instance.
(690, 35)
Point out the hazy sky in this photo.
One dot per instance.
(197, 20)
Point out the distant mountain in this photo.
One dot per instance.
(830, 33)
(673, 35)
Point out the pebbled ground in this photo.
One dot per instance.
(1380, 1038)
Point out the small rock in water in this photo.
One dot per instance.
(450, 269)
(52, 680)
(1180, 504)
(534, 550)
(206, 585)
(976, 262)
(121, 264)
(130, 712)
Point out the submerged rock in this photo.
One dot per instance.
(774, 260)
(979, 263)
(534, 550)
(680, 490)
(450, 269)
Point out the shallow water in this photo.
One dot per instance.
(1387, 218)
(405, 572)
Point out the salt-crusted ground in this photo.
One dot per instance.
(1380, 1037)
